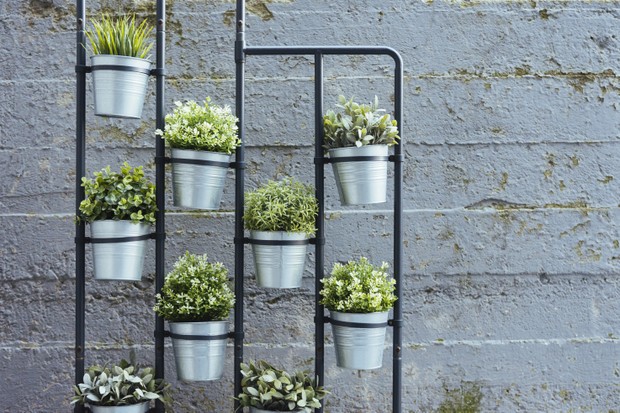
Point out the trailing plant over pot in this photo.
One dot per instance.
(206, 136)
(267, 388)
(120, 65)
(359, 296)
(118, 205)
(119, 385)
(360, 130)
(196, 300)
(281, 217)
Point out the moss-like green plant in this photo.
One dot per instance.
(127, 195)
(120, 36)
(358, 287)
(267, 387)
(359, 125)
(201, 127)
(195, 290)
(287, 205)
(120, 385)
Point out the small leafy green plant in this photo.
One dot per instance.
(121, 36)
(195, 290)
(127, 195)
(358, 287)
(359, 125)
(201, 127)
(120, 385)
(286, 205)
(267, 387)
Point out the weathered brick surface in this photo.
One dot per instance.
(511, 244)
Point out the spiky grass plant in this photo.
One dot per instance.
(120, 36)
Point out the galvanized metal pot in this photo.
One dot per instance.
(198, 186)
(360, 182)
(119, 93)
(199, 360)
(121, 261)
(257, 410)
(279, 266)
(132, 408)
(359, 348)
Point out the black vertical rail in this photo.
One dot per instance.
(239, 195)
(80, 171)
(160, 189)
(398, 243)
(319, 184)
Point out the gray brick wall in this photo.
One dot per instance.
(511, 182)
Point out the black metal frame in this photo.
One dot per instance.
(241, 51)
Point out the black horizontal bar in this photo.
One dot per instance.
(200, 162)
(121, 68)
(158, 72)
(326, 50)
(82, 69)
(278, 241)
(354, 325)
(238, 165)
(356, 159)
(395, 323)
(119, 239)
(198, 337)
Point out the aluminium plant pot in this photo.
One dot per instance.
(359, 348)
(131, 408)
(198, 186)
(199, 360)
(120, 261)
(279, 266)
(361, 182)
(119, 92)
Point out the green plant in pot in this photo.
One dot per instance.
(120, 208)
(120, 65)
(359, 130)
(202, 139)
(123, 388)
(266, 388)
(281, 218)
(359, 292)
(196, 300)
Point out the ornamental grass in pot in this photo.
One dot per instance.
(281, 218)
(196, 300)
(360, 130)
(202, 139)
(120, 65)
(122, 388)
(120, 208)
(359, 296)
(266, 388)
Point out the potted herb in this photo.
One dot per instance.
(280, 217)
(120, 65)
(120, 389)
(358, 293)
(202, 138)
(120, 208)
(266, 388)
(360, 131)
(196, 300)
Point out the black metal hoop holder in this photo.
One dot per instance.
(241, 52)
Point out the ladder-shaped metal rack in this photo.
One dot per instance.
(241, 51)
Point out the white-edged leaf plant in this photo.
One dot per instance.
(195, 290)
(358, 125)
(358, 287)
(269, 388)
(124, 195)
(286, 205)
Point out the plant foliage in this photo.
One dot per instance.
(120, 385)
(359, 125)
(269, 388)
(127, 195)
(201, 127)
(121, 36)
(358, 287)
(286, 205)
(195, 290)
